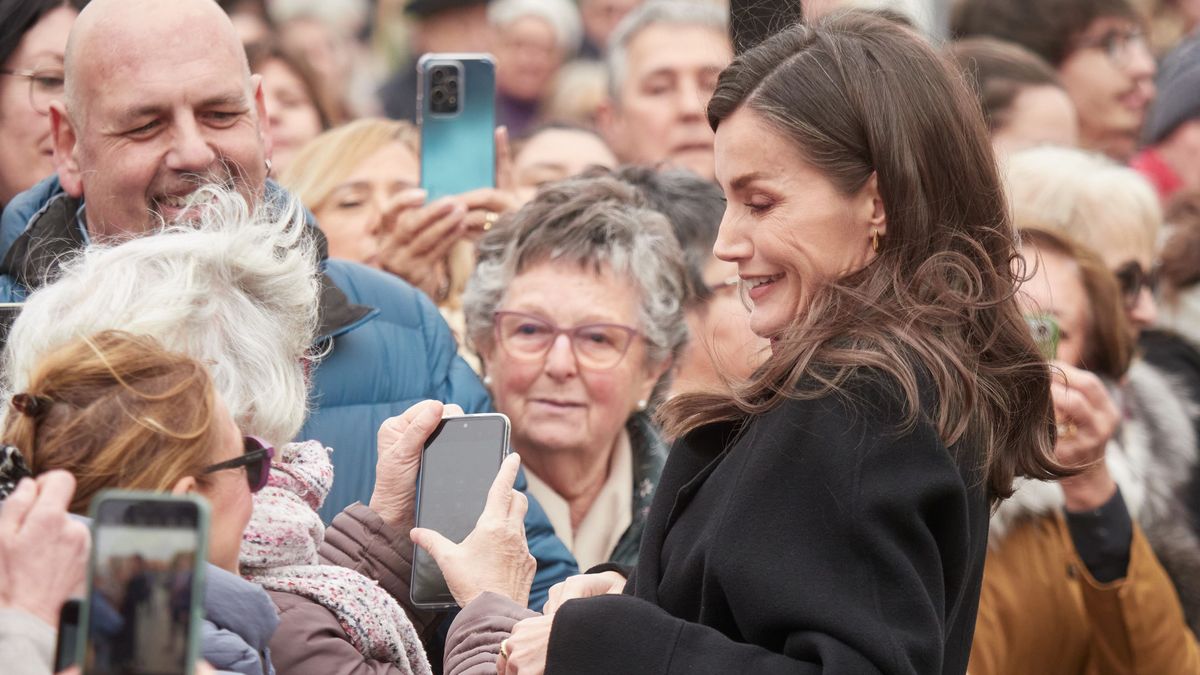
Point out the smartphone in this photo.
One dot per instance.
(456, 109)
(145, 598)
(1046, 334)
(459, 463)
(67, 645)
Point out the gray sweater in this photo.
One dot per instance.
(26, 643)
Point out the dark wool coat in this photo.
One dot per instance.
(821, 539)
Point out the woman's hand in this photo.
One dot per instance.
(495, 556)
(1087, 418)
(526, 647)
(43, 551)
(415, 238)
(399, 444)
(583, 586)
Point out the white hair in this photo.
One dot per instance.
(236, 290)
(656, 13)
(562, 16)
(1085, 196)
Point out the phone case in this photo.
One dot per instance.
(424, 569)
(198, 575)
(458, 150)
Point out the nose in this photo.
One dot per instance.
(1141, 64)
(732, 245)
(560, 360)
(690, 103)
(190, 150)
(375, 218)
(1144, 312)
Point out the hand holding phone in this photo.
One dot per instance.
(145, 601)
(416, 237)
(495, 555)
(399, 444)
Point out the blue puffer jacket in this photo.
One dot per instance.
(390, 348)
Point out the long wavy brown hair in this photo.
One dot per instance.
(861, 96)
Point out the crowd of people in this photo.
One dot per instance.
(866, 341)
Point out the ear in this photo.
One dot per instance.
(653, 374)
(264, 122)
(66, 158)
(873, 209)
(185, 486)
(608, 123)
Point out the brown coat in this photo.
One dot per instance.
(309, 640)
(1041, 611)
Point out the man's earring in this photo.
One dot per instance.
(268, 163)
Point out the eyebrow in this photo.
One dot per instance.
(150, 110)
(745, 179)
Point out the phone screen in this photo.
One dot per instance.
(143, 587)
(458, 465)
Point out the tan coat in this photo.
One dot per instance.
(1041, 611)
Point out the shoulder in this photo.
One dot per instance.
(23, 208)
(397, 301)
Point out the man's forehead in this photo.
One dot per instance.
(682, 47)
(152, 78)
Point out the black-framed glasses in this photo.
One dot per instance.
(1118, 45)
(45, 85)
(1132, 278)
(597, 346)
(257, 460)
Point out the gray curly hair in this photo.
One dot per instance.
(596, 222)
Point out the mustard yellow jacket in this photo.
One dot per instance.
(1041, 611)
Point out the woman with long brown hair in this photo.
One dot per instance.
(832, 514)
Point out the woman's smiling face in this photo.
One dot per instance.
(786, 226)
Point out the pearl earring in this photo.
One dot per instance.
(487, 380)
(642, 405)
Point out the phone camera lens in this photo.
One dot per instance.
(438, 96)
(438, 75)
(453, 100)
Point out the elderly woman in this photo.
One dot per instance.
(831, 515)
(1069, 572)
(533, 38)
(1114, 211)
(238, 292)
(576, 310)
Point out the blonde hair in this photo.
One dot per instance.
(326, 161)
(117, 411)
(1085, 196)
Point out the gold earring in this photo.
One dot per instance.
(875, 241)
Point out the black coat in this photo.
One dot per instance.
(820, 540)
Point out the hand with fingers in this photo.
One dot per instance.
(524, 651)
(400, 441)
(495, 556)
(43, 550)
(415, 238)
(1087, 418)
(583, 586)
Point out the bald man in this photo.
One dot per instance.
(159, 99)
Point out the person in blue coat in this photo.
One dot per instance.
(143, 125)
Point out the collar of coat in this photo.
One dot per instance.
(56, 233)
(1151, 457)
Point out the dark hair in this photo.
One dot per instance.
(1108, 348)
(1180, 258)
(998, 71)
(17, 17)
(260, 53)
(859, 96)
(694, 208)
(1049, 28)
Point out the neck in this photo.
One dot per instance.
(575, 475)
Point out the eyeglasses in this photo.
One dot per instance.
(45, 85)
(257, 460)
(1118, 45)
(597, 346)
(1132, 279)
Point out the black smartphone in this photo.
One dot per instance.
(68, 635)
(145, 599)
(459, 463)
